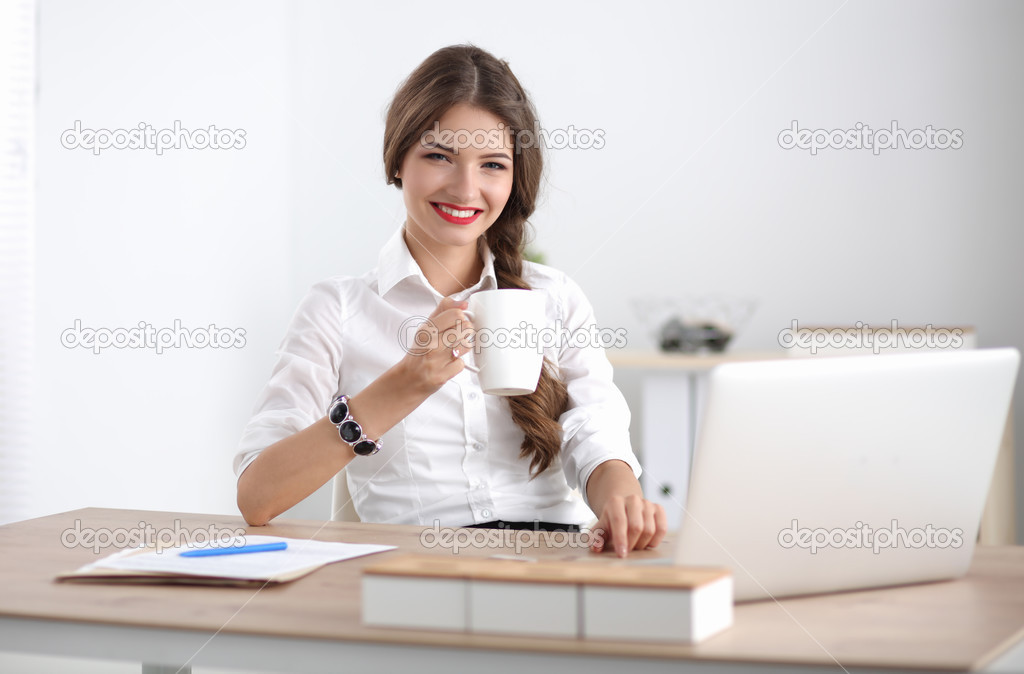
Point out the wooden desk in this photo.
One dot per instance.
(313, 624)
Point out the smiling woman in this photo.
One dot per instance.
(420, 441)
(454, 195)
(496, 179)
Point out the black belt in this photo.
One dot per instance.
(535, 525)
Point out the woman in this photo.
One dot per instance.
(457, 144)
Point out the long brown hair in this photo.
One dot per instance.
(470, 75)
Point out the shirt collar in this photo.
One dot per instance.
(395, 263)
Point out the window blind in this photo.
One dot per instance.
(17, 127)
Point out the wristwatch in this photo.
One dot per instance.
(349, 429)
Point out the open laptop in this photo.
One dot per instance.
(826, 474)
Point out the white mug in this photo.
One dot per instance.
(506, 348)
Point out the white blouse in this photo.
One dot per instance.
(454, 461)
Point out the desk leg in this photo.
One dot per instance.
(700, 385)
(165, 669)
(669, 406)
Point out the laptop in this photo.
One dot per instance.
(828, 474)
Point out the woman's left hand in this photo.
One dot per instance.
(629, 523)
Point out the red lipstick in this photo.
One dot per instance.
(453, 219)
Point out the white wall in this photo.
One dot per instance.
(691, 192)
(200, 236)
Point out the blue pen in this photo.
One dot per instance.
(240, 550)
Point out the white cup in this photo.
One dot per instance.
(506, 347)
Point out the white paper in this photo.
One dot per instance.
(300, 554)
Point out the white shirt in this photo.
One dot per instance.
(454, 461)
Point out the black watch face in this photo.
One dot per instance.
(364, 448)
(350, 431)
(339, 411)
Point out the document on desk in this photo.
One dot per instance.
(300, 558)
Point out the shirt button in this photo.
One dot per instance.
(472, 396)
(486, 513)
(477, 446)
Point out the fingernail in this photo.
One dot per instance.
(621, 549)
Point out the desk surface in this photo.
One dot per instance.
(954, 625)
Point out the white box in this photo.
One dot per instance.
(396, 601)
(656, 614)
(532, 609)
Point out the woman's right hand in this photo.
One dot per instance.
(429, 361)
